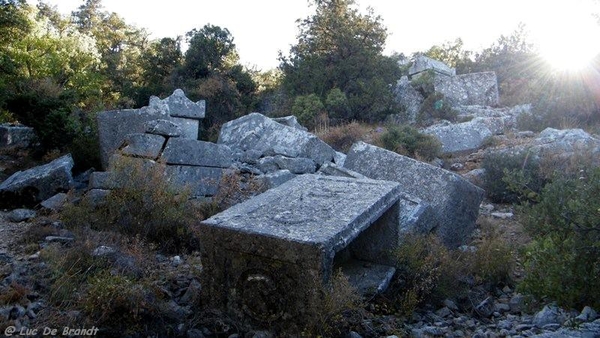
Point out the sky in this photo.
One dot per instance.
(262, 28)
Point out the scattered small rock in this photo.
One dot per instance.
(21, 215)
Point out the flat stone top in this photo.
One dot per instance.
(312, 209)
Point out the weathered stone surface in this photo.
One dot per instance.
(97, 197)
(409, 99)
(298, 165)
(258, 132)
(469, 89)
(339, 158)
(550, 314)
(180, 106)
(16, 136)
(197, 153)
(290, 238)
(416, 216)
(37, 184)
(422, 63)
(56, 202)
(102, 180)
(476, 176)
(143, 145)
(460, 137)
(202, 181)
(455, 202)
(21, 215)
(275, 179)
(162, 127)
(290, 121)
(331, 169)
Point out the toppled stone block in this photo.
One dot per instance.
(460, 137)
(455, 201)
(202, 181)
(422, 63)
(267, 165)
(269, 138)
(296, 165)
(56, 202)
(275, 179)
(162, 127)
(287, 242)
(197, 153)
(469, 89)
(409, 99)
(34, 185)
(290, 121)
(331, 169)
(97, 197)
(16, 136)
(143, 145)
(102, 180)
(21, 215)
(339, 158)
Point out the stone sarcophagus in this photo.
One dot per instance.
(265, 258)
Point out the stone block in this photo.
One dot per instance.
(180, 106)
(422, 63)
(298, 165)
(290, 121)
(276, 178)
(286, 243)
(197, 153)
(409, 99)
(143, 145)
(34, 185)
(454, 201)
(469, 89)
(163, 127)
(330, 169)
(202, 181)
(270, 138)
(16, 136)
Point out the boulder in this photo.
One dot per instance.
(550, 314)
(469, 89)
(275, 179)
(56, 202)
(34, 185)
(409, 99)
(453, 200)
(143, 145)
(182, 151)
(422, 63)
(20, 215)
(460, 137)
(16, 136)
(270, 138)
(180, 106)
(298, 165)
(202, 181)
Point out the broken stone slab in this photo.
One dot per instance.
(469, 89)
(339, 158)
(276, 178)
(56, 202)
(21, 215)
(454, 201)
(202, 181)
(298, 165)
(34, 185)
(331, 169)
(143, 145)
(290, 121)
(416, 216)
(16, 136)
(288, 241)
(460, 137)
(162, 127)
(422, 63)
(197, 153)
(267, 165)
(269, 138)
(180, 106)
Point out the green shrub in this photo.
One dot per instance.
(144, 205)
(306, 108)
(408, 141)
(511, 177)
(424, 82)
(436, 107)
(337, 104)
(563, 260)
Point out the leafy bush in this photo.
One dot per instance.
(511, 177)
(337, 104)
(144, 205)
(424, 83)
(306, 108)
(341, 138)
(435, 107)
(563, 260)
(408, 141)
